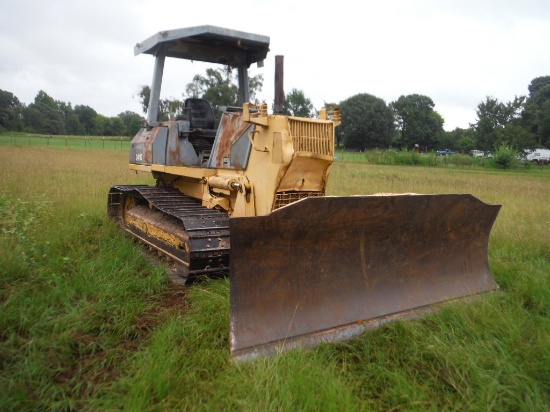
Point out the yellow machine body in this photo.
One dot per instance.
(245, 195)
(290, 159)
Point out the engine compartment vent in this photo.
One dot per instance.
(286, 198)
(312, 136)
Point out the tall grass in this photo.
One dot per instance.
(86, 323)
(411, 158)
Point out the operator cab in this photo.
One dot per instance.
(208, 44)
(198, 140)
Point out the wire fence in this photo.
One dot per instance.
(73, 142)
(374, 156)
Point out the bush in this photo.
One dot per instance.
(505, 157)
(399, 158)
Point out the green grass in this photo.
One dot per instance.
(69, 142)
(88, 324)
(410, 158)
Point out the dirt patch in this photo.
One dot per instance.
(169, 303)
(93, 366)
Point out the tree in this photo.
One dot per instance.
(457, 139)
(330, 106)
(33, 119)
(70, 119)
(367, 122)
(543, 123)
(297, 104)
(42, 98)
(465, 144)
(86, 116)
(170, 109)
(515, 136)
(494, 117)
(10, 112)
(488, 120)
(100, 125)
(539, 90)
(132, 121)
(44, 115)
(144, 95)
(535, 114)
(218, 87)
(417, 122)
(73, 126)
(255, 84)
(330, 109)
(114, 126)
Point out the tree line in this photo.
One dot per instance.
(219, 88)
(53, 117)
(524, 123)
(367, 121)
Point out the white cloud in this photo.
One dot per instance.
(456, 52)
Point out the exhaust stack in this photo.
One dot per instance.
(279, 85)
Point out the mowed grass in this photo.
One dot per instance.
(86, 323)
(19, 139)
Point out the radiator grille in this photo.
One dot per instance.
(310, 136)
(286, 198)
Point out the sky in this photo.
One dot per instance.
(455, 52)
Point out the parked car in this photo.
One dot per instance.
(445, 152)
(477, 153)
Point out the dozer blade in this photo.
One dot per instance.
(324, 269)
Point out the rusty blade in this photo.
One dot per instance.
(324, 268)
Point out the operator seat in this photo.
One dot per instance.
(201, 118)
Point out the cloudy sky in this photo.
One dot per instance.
(455, 51)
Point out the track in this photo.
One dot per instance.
(194, 237)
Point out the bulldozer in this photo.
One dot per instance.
(243, 193)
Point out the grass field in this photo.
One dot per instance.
(86, 323)
(67, 142)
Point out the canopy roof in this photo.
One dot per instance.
(208, 44)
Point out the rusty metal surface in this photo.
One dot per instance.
(330, 265)
(141, 147)
(279, 85)
(231, 128)
(175, 224)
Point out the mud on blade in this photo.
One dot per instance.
(323, 269)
